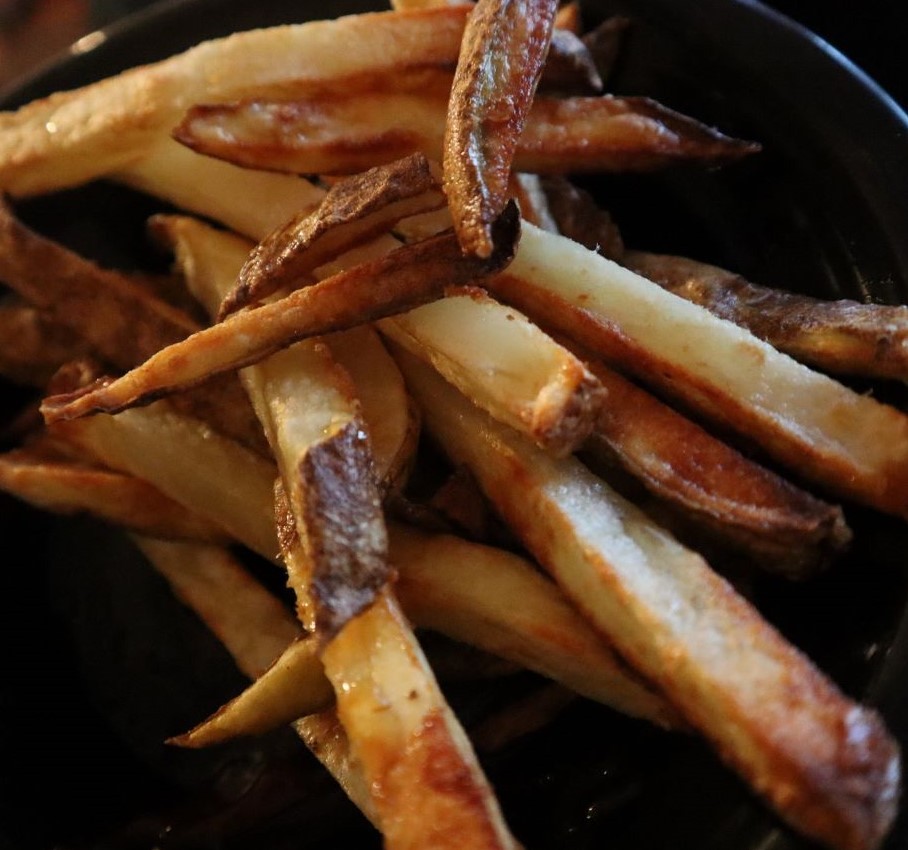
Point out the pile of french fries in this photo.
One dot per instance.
(373, 218)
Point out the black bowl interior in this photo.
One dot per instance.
(102, 665)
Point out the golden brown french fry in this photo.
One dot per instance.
(714, 487)
(501, 59)
(354, 211)
(506, 364)
(72, 137)
(409, 276)
(811, 423)
(63, 486)
(843, 336)
(344, 134)
(827, 765)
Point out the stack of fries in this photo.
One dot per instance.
(374, 220)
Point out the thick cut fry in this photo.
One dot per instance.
(294, 686)
(354, 211)
(504, 46)
(506, 365)
(849, 443)
(427, 786)
(72, 137)
(827, 765)
(407, 277)
(713, 486)
(210, 259)
(844, 337)
(62, 486)
(346, 134)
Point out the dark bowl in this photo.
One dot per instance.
(101, 664)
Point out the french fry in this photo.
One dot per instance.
(72, 137)
(809, 422)
(577, 216)
(842, 337)
(506, 364)
(714, 487)
(827, 765)
(343, 134)
(501, 59)
(294, 686)
(399, 281)
(605, 43)
(570, 68)
(63, 486)
(354, 211)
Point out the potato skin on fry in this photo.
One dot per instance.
(504, 46)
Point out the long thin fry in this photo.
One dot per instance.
(827, 765)
(814, 425)
(348, 133)
(504, 46)
(842, 337)
(403, 279)
(72, 137)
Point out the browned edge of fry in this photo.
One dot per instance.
(501, 60)
(353, 211)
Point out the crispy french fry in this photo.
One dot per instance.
(354, 211)
(506, 364)
(843, 337)
(63, 486)
(827, 765)
(813, 424)
(501, 59)
(715, 487)
(346, 134)
(409, 276)
(73, 137)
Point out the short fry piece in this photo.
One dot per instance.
(506, 365)
(827, 765)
